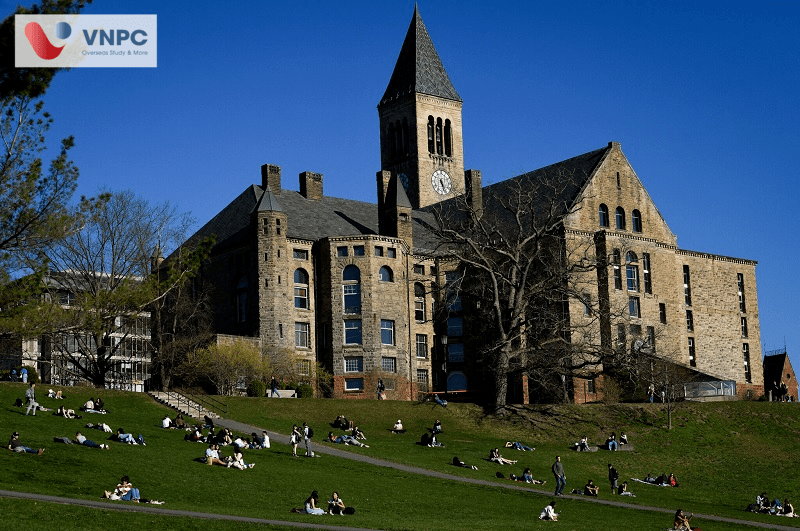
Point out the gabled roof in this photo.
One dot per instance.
(418, 67)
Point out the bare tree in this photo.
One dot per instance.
(229, 366)
(100, 289)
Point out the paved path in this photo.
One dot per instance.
(280, 438)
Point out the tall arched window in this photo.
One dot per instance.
(385, 275)
(419, 302)
(404, 138)
(617, 257)
(456, 381)
(448, 139)
(351, 289)
(431, 141)
(620, 218)
(300, 288)
(632, 271)
(636, 221)
(602, 214)
(439, 149)
(392, 149)
(240, 300)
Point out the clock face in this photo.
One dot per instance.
(441, 182)
(403, 180)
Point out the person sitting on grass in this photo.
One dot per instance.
(494, 456)
(622, 490)
(311, 502)
(788, 508)
(335, 504)
(345, 439)
(15, 446)
(682, 522)
(125, 491)
(238, 460)
(462, 464)
(527, 477)
(437, 427)
(398, 427)
(518, 446)
(591, 489)
(611, 442)
(212, 456)
(260, 441)
(583, 446)
(623, 439)
(672, 481)
(180, 423)
(81, 439)
(194, 436)
(166, 422)
(549, 512)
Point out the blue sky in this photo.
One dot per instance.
(703, 97)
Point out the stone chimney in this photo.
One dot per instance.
(474, 189)
(311, 185)
(271, 177)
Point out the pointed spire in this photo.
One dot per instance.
(268, 202)
(419, 68)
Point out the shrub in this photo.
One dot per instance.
(611, 391)
(256, 388)
(33, 376)
(305, 390)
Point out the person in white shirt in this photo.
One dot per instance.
(549, 512)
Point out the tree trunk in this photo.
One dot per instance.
(501, 377)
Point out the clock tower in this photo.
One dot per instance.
(420, 121)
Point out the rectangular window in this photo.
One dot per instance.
(433, 271)
(455, 352)
(303, 367)
(692, 358)
(354, 384)
(622, 339)
(740, 286)
(387, 332)
(633, 307)
(617, 278)
(392, 252)
(352, 298)
(744, 326)
(300, 254)
(302, 334)
(651, 338)
(635, 329)
(590, 388)
(280, 330)
(689, 321)
(454, 303)
(455, 326)
(419, 269)
(632, 274)
(353, 363)
(352, 332)
(422, 376)
(341, 251)
(746, 353)
(301, 297)
(389, 364)
(422, 346)
(687, 287)
(648, 283)
(586, 299)
(662, 312)
(378, 251)
(419, 311)
(358, 250)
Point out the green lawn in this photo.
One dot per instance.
(723, 455)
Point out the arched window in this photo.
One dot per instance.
(385, 275)
(636, 221)
(351, 289)
(448, 139)
(392, 151)
(632, 271)
(431, 141)
(300, 288)
(456, 381)
(439, 149)
(419, 302)
(617, 257)
(404, 138)
(620, 218)
(240, 300)
(602, 214)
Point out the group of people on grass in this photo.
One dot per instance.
(335, 505)
(775, 507)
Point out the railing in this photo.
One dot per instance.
(193, 401)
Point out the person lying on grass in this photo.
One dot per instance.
(344, 439)
(81, 439)
(127, 492)
(494, 456)
(516, 445)
(462, 464)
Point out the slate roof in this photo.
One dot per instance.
(418, 67)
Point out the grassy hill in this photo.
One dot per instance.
(722, 453)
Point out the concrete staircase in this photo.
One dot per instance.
(187, 406)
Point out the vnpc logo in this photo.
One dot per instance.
(58, 41)
(41, 44)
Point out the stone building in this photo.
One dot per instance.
(350, 284)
